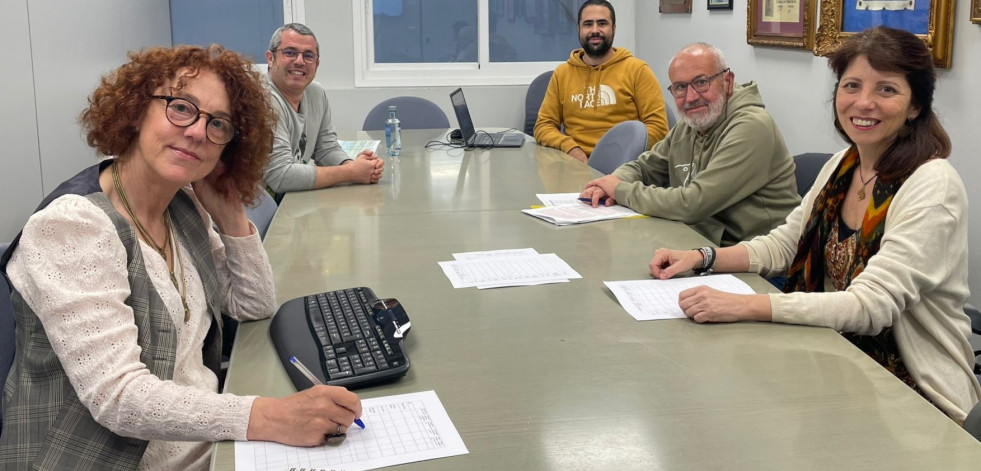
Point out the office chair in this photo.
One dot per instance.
(973, 421)
(669, 110)
(8, 340)
(808, 166)
(262, 213)
(975, 316)
(533, 100)
(413, 113)
(621, 144)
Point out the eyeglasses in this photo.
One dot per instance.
(182, 113)
(700, 84)
(291, 54)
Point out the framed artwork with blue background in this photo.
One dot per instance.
(911, 15)
(931, 20)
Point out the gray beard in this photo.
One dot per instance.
(706, 121)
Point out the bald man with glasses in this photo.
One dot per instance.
(306, 154)
(724, 169)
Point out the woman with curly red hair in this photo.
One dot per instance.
(120, 277)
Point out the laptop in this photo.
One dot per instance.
(471, 137)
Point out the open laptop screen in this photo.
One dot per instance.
(462, 115)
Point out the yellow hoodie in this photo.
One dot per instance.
(589, 100)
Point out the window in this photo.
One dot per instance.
(461, 42)
(243, 27)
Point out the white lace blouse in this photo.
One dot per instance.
(70, 267)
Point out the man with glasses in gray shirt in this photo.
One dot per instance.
(724, 168)
(304, 135)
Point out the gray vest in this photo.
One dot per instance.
(45, 426)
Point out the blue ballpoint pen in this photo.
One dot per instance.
(313, 379)
(590, 200)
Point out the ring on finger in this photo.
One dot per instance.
(336, 438)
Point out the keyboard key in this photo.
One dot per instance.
(352, 339)
(367, 369)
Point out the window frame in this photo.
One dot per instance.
(293, 12)
(482, 73)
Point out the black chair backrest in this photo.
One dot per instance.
(808, 166)
(975, 317)
(8, 341)
(973, 421)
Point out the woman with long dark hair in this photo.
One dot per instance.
(877, 249)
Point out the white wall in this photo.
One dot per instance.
(21, 159)
(56, 53)
(797, 85)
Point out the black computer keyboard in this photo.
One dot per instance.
(352, 336)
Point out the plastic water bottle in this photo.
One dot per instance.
(393, 133)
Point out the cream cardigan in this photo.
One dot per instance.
(916, 283)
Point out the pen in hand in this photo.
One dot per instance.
(316, 381)
(602, 200)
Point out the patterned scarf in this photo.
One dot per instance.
(808, 270)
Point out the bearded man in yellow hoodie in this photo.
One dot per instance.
(599, 87)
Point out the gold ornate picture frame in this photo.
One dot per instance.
(780, 23)
(930, 20)
(976, 11)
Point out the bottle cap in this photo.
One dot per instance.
(391, 108)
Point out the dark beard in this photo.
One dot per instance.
(599, 50)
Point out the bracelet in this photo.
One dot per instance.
(708, 261)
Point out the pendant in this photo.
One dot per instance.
(187, 312)
(861, 193)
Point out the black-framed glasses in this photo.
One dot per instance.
(292, 54)
(700, 84)
(183, 113)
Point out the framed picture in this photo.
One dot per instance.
(719, 4)
(931, 20)
(976, 11)
(675, 6)
(781, 23)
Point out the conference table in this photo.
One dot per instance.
(559, 376)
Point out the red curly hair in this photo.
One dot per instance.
(123, 96)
